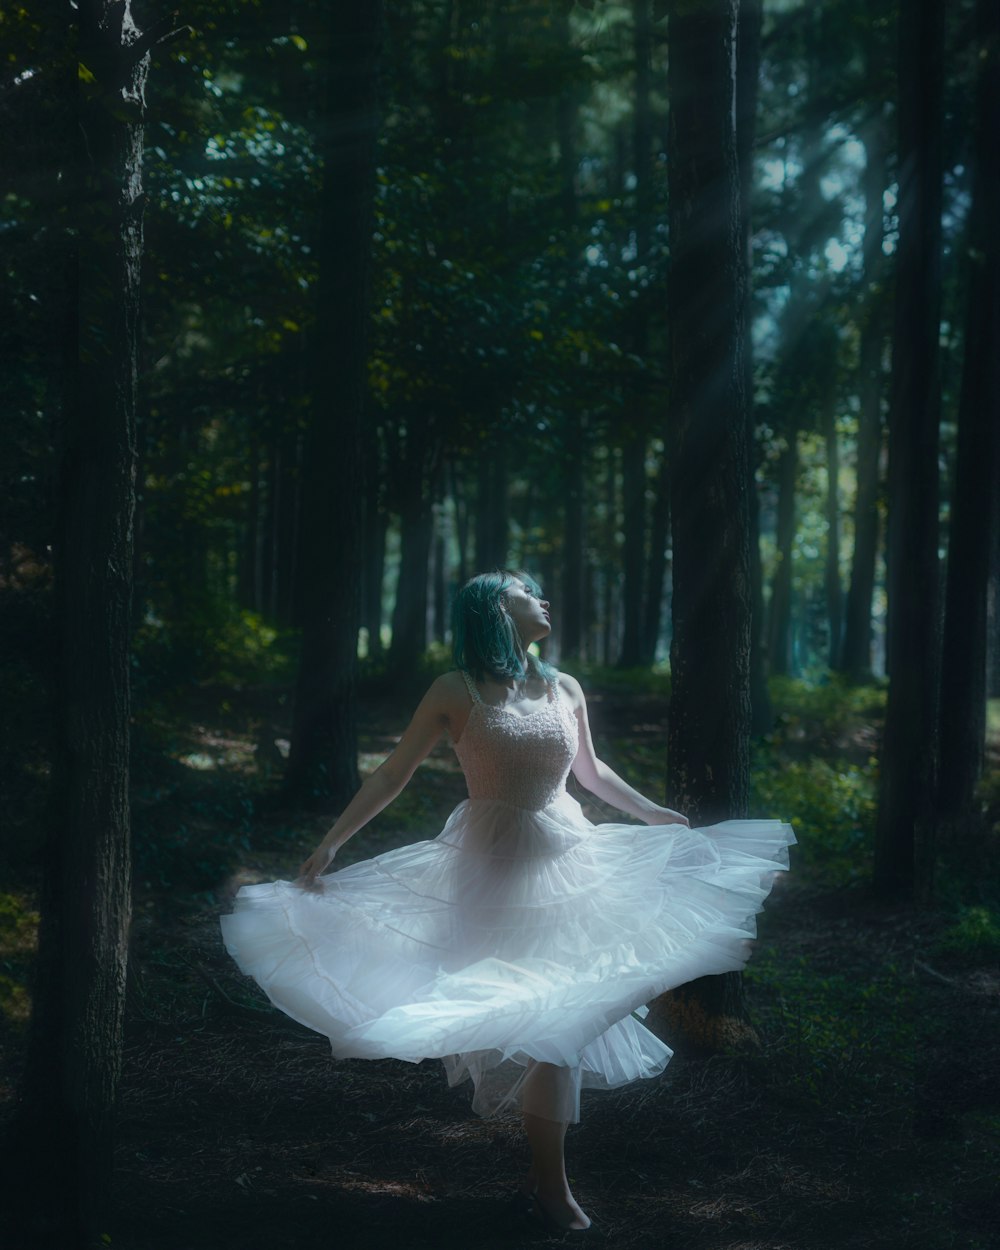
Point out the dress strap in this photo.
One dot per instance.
(470, 685)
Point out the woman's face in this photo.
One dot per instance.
(529, 612)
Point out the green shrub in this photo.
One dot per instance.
(975, 934)
(831, 805)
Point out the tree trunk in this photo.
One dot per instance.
(492, 523)
(780, 619)
(709, 718)
(834, 596)
(659, 536)
(974, 499)
(634, 442)
(461, 524)
(62, 1171)
(252, 562)
(375, 527)
(439, 587)
(856, 655)
(322, 765)
(409, 614)
(571, 614)
(908, 749)
(610, 598)
(747, 71)
(634, 504)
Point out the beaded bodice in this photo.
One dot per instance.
(520, 759)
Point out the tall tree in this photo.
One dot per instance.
(323, 758)
(65, 1120)
(974, 499)
(709, 718)
(856, 651)
(831, 577)
(634, 431)
(779, 641)
(747, 74)
(908, 748)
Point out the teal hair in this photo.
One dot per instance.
(485, 640)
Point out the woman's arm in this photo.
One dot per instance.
(594, 775)
(429, 722)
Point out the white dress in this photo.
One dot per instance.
(522, 932)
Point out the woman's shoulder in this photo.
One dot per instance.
(450, 686)
(570, 687)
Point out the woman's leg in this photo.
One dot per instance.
(548, 1101)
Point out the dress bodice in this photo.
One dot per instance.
(519, 759)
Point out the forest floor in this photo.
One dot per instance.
(868, 1117)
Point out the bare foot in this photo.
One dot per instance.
(562, 1209)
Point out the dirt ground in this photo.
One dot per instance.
(238, 1132)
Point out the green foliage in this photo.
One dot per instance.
(653, 681)
(18, 939)
(817, 770)
(974, 935)
(832, 806)
(837, 1035)
(214, 640)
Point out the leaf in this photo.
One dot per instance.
(300, 43)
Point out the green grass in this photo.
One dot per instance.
(847, 1035)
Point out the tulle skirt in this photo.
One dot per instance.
(514, 936)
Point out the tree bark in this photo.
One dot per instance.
(831, 580)
(747, 71)
(780, 620)
(903, 825)
(709, 717)
(409, 614)
(856, 654)
(62, 1172)
(634, 442)
(375, 528)
(492, 520)
(322, 766)
(634, 505)
(571, 616)
(974, 499)
(659, 536)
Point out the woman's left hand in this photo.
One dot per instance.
(667, 816)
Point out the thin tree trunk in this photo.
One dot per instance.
(659, 536)
(634, 441)
(571, 616)
(322, 765)
(375, 526)
(780, 620)
(747, 71)
(834, 595)
(709, 718)
(977, 474)
(409, 615)
(856, 656)
(634, 501)
(903, 826)
(439, 587)
(461, 524)
(492, 513)
(250, 595)
(61, 1174)
(610, 598)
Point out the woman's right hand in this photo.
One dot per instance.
(318, 862)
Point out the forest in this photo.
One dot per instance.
(688, 308)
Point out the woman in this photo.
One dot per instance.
(520, 945)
